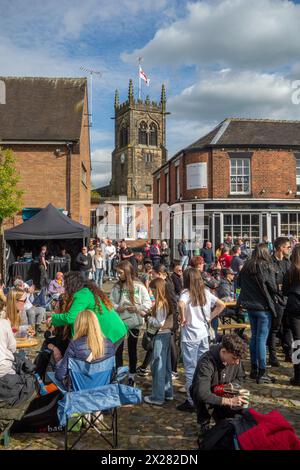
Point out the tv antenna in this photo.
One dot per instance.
(91, 73)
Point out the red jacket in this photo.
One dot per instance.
(273, 432)
(225, 261)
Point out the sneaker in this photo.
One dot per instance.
(295, 383)
(273, 361)
(182, 390)
(186, 406)
(265, 379)
(130, 382)
(175, 375)
(169, 398)
(142, 372)
(149, 401)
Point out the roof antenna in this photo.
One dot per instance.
(99, 74)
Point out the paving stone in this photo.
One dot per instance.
(149, 427)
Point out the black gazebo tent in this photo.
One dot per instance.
(49, 226)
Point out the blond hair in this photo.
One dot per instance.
(12, 313)
(87, 324)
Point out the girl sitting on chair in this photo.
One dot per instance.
(88, 343)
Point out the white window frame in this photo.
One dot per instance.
(297, 176)
(235, 161)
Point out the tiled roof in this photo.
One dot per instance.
(42, 109)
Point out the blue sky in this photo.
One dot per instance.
(218, 58)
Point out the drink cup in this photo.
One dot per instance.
(245, 394)
(23, 331)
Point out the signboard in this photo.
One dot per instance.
(239, 179)
(196, 175)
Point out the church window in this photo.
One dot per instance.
(143, 133)
(123, 135)
(148, 157)
(153, 135)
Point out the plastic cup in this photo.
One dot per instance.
(245, 394)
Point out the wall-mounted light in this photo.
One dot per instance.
(289, 191)
(262, 191)
(122, 158)
(57, 152)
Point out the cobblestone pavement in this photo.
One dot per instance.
(157, 428)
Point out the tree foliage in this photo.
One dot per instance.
(10, 195)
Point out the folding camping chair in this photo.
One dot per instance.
(95, 389)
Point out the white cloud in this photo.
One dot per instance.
(98, 136)
(245, 33)
(244, 94)
(101, 164)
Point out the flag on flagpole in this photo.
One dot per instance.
(144, 77)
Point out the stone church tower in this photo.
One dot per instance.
(140, 145)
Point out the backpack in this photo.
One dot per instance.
(41, 415)
(221, 436)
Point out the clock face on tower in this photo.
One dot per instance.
(122, 158)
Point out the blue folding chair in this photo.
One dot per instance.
(94, 388)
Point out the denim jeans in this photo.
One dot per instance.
(184, 261)
(85, 275)
(191, 353)
(260, 322)
(99, 277)
(161, 368)
(109, 267)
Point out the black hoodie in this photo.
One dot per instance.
(210, 371)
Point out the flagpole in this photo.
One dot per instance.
(140, 80)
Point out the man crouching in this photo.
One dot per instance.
(216, 387)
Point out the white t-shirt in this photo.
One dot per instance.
(110, 251)
(196, 327)
(8, 347)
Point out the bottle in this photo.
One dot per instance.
(42, 388)
(237, 292)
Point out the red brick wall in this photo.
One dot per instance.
(271, 170)
(84, 191)
(43, 177)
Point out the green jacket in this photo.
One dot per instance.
(111, 324)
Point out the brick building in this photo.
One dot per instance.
(140, 148)
(45, 122)
(246, 173)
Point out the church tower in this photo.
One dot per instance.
(140, 145)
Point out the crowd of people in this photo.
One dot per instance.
(177, 310)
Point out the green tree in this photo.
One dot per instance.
(10, 196)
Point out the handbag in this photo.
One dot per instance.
(148, 340)
(133, 320)
(210, 330)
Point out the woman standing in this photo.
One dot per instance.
(165, 255)
(130, 296)
(258, 288)
(197, 307)
(161, 324)
(162, 273)
(155, 253)
(98, 267)
(291, 289)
